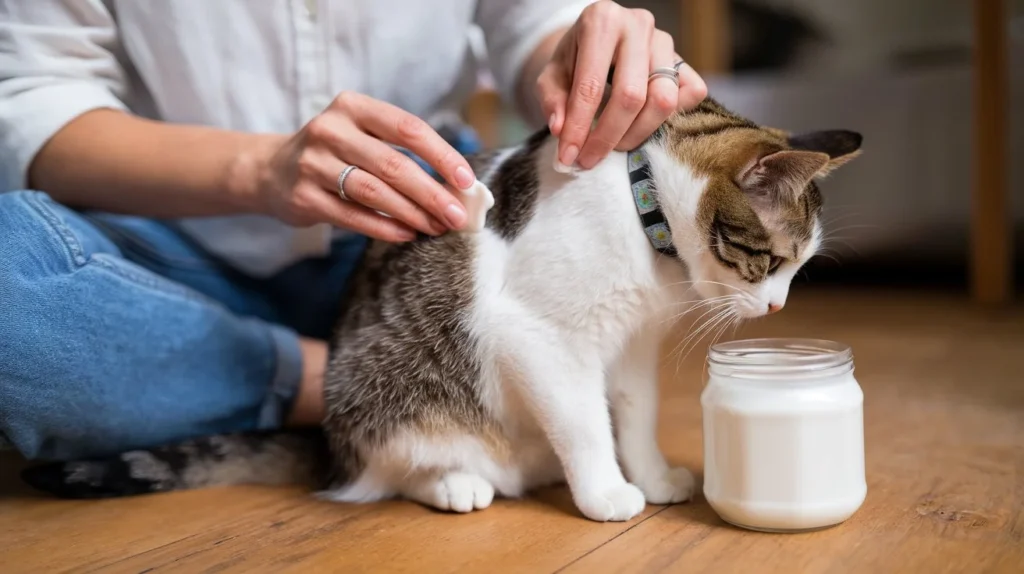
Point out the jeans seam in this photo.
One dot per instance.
(281, 392)
(157, 283)
(72, 247)
(144, 249)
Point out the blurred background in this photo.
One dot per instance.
(898, 71)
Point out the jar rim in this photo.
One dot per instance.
(780, 354)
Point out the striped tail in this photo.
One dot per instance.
(264, 458)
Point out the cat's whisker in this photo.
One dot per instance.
(730, 319)
(717, 311)
(706, 329)
(711, 310)
(828, 256)
(855, 226)
(826, 222)
(680, 346)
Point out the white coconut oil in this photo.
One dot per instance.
(783, 434)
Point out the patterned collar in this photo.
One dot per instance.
(645, 196)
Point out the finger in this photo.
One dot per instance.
(365, 189)
(662, 95)
(599, 33)
(398, 127)
(403, 175)
(692, 89)
(355, 217)
(629, 93)
(553, 92)
(325, 170)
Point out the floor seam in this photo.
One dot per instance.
(601, 545)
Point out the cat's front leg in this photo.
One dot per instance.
(634, 397)
(566, 394)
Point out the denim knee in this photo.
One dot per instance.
(98, 355)
(36, 236)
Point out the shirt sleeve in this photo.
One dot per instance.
(57, 61)
(514, 28)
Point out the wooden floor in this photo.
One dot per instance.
(944, 421)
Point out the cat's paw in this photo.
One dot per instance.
(616, 504)
(455, 491)
(669, 487)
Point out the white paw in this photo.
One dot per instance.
(669, 487)
(617, 504)
(461, 492)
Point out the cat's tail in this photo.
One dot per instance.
(265, 458)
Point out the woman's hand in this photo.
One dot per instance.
(571, 87)
(298, 176)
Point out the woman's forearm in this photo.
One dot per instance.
(112, 161)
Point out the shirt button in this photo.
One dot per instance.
(311, 9)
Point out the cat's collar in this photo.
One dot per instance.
(645, 196)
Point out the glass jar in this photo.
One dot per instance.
(783, 434)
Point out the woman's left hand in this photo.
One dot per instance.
(571, 86)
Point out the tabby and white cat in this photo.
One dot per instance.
(491, 363)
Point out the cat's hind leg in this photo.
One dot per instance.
(453, 490)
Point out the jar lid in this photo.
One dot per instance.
(779, 356)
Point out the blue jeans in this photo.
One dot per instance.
(119, 332)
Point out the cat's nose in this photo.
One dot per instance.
(774, 308)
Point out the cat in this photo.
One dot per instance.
(488, 364)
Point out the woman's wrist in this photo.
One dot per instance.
(247, 176)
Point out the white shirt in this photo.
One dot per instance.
(249, 65)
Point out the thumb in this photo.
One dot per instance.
(553, 93)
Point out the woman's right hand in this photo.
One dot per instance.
(298, 177)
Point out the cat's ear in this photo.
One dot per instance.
(840, 145)
(783, 174)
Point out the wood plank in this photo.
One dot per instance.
(705, 31)
(991, 237)
(944, 458)
(943, 418)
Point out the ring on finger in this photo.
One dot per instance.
(678, 63)
(341, 181)
(664, 72)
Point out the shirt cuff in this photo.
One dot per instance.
(512, 64)
(28, 119)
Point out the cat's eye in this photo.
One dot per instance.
(774, 262)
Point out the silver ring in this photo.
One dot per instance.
(677, 64)
(341, 180)
(670, 73)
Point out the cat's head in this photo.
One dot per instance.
(742, 202)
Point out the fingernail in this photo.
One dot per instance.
(551, 122)
(562, 168)
(455, 215)
(464, 178)
(569, 155)
(406, 235)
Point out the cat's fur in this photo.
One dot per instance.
(480, 364)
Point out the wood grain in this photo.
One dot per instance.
(944, 421)
(991, 237)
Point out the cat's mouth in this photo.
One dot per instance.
(751, 308)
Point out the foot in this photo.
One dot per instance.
(616, 504)
(668, 487)
(455, 491)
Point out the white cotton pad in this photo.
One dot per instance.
(562, 168)
(477, 201)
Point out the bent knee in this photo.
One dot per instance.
(43, 237)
